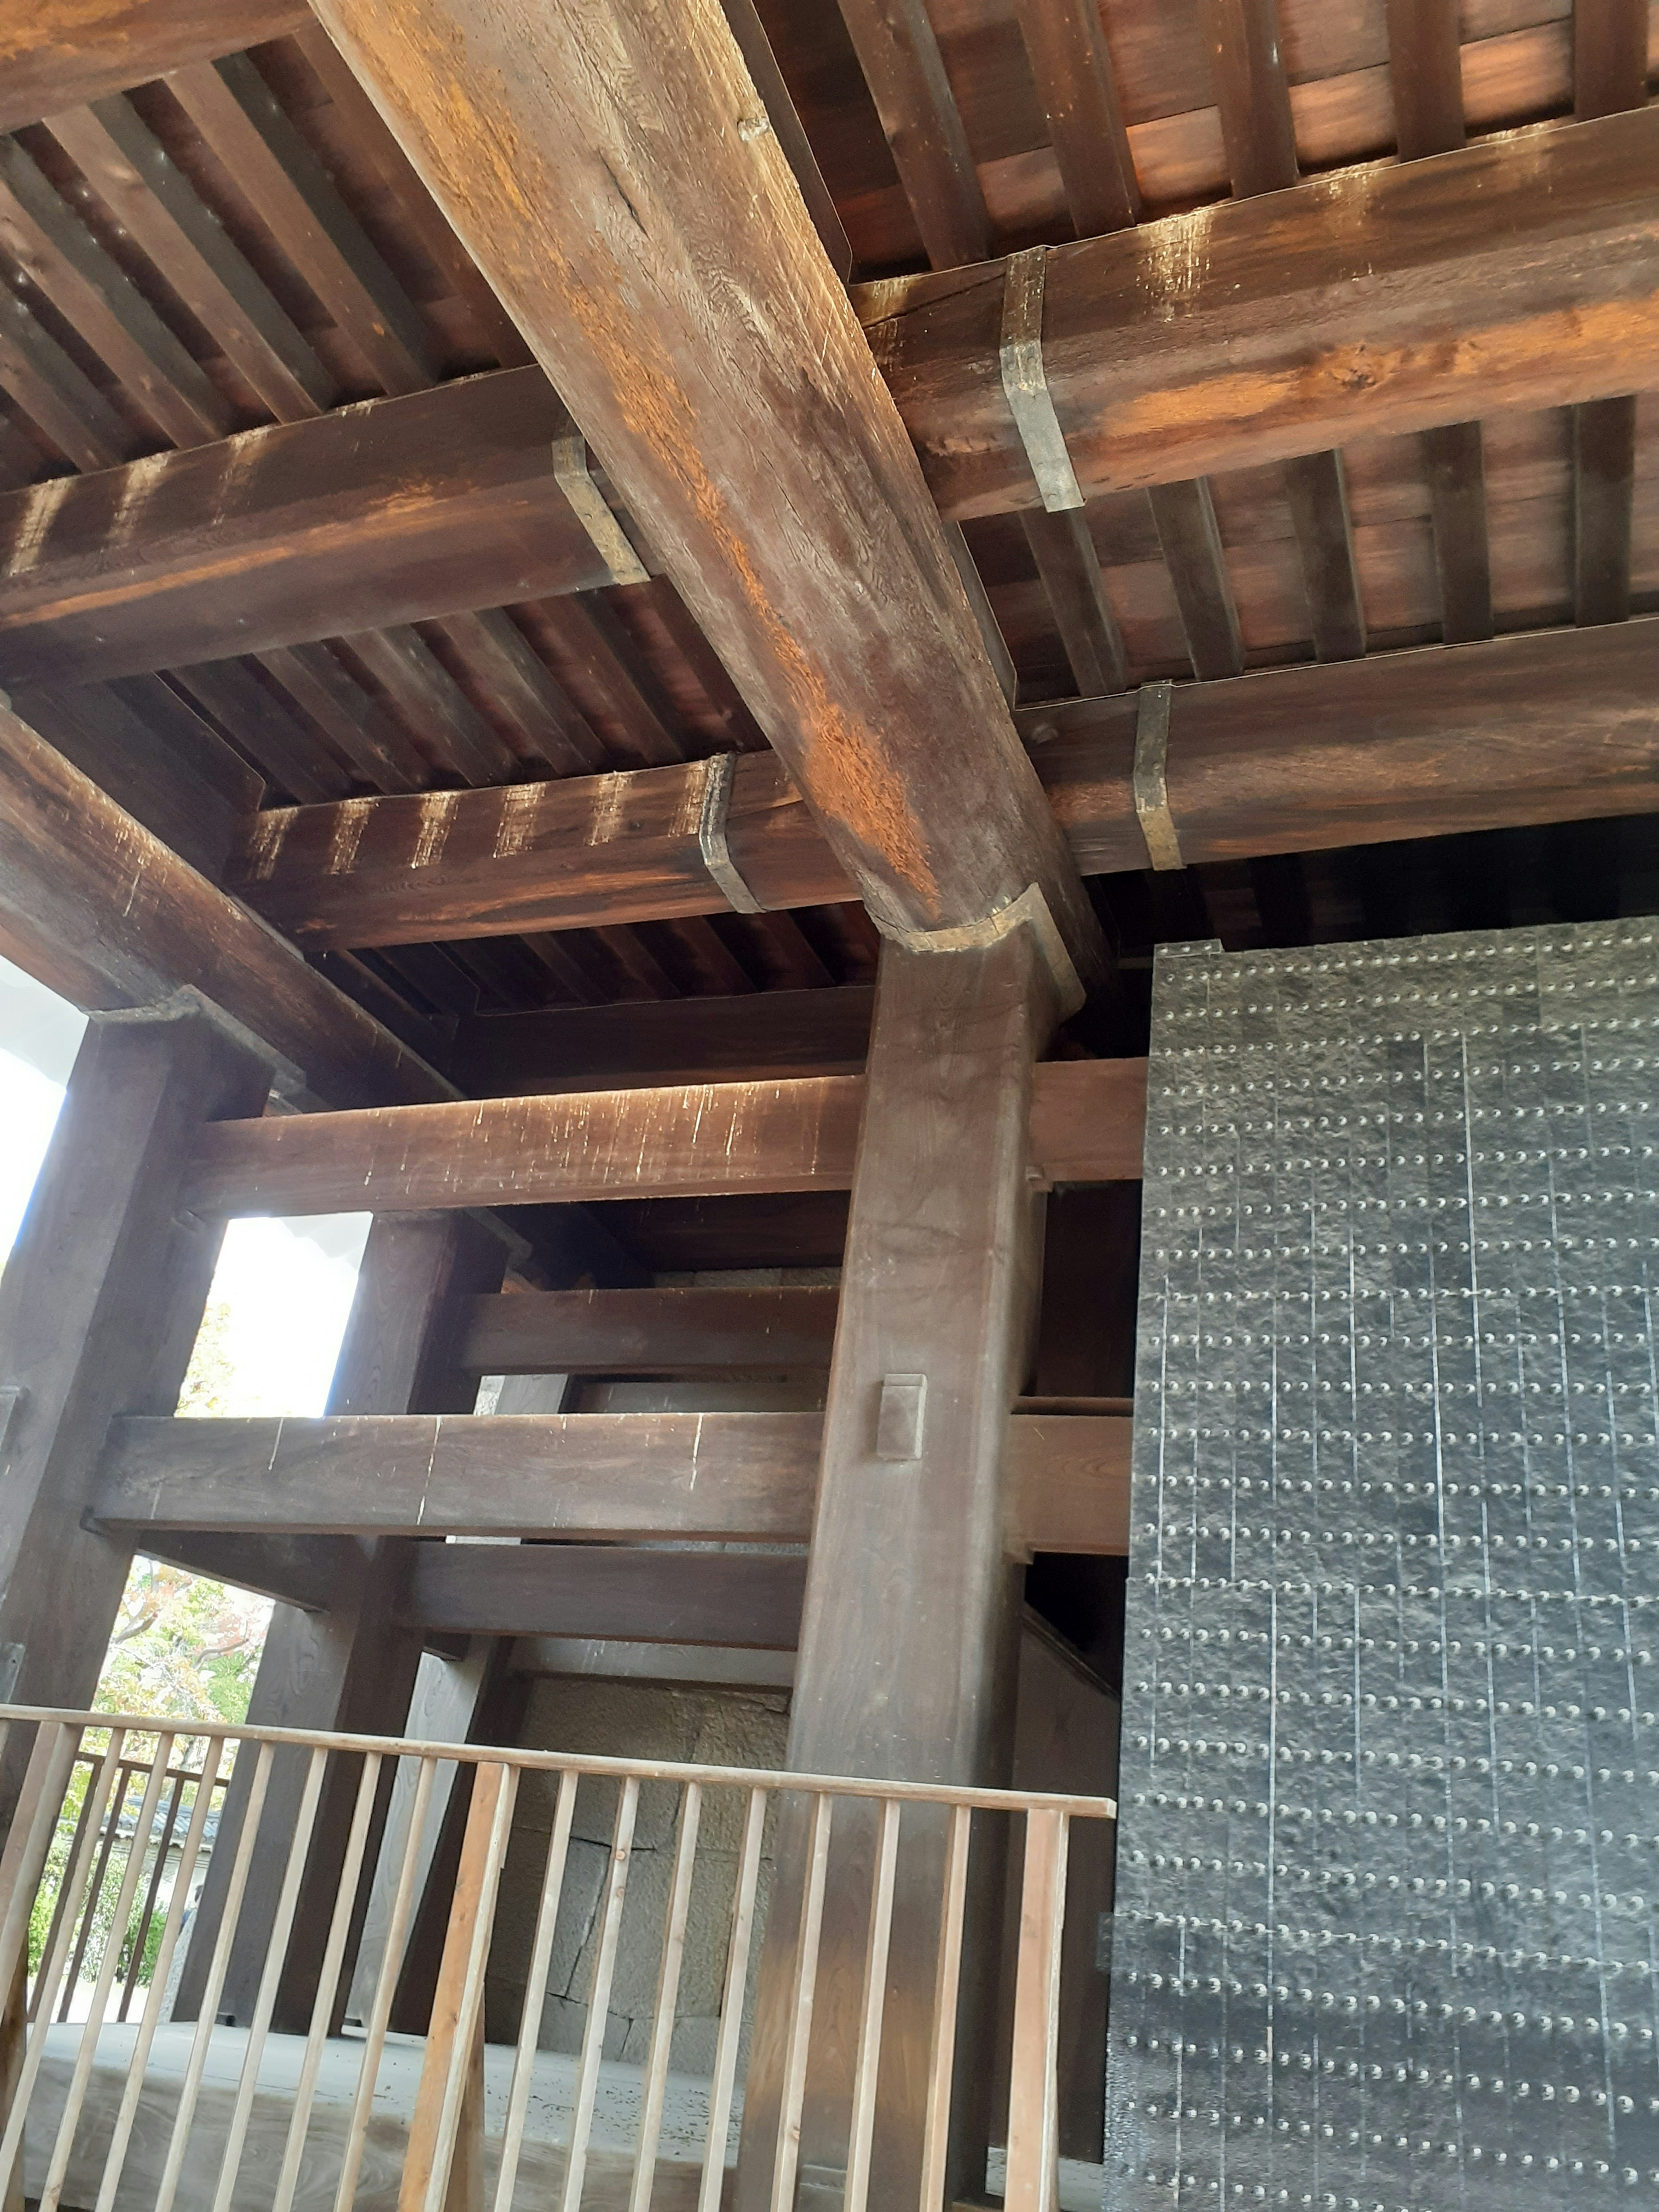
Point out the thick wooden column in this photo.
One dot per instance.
(349, 1667)
(908, 1654)
(99, 1309)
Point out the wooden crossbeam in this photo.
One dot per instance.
(387, 512)
(57, 53)
(762, 1033)
(655, 1332)
(105, 914)
(673, 285)
(694, 1140)
(1520, 272)
(1548, 726)
(721, 1598)
(589, 1477)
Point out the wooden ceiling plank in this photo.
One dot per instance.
(56, 54)
(772, 1033)
(254, 719)
(102, 912)
(239, 118)
(816, 566)
(1069, 567)
(369, 741)
(703, 953)
(1425, 70)
(416, 206)
(454, 734)
(55, 250)
(636, 719)
(1609, 74)
(1547, 241)
(387, 512)
(1184, 517)
(898, 52)
(642, 975)
(571, 980)
(524, 690)
(1065, 45)
(740, 730)
(57, 396)
(132, 173)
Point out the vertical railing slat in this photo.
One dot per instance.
(535, 1993)
(599, 1995)
(788, 2156)
(668, 1990)
(947, 1983)
(723, 2081)
(34, 1824)
(1034, 2093)
(862, 2132)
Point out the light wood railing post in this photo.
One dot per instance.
(1034, 2093)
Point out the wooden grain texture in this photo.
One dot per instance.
(1183, 516)
(529, 856)
(635, 1594)
(898, 52)
(815, 564)
(1069, 565)
(1549, 727)
(386, 512)
(1519, 272)
(100, 910)
(57, 53)
(1065, 44)
(99, 1304)
(657, 1331)
(708, 1140)
(584, 1477)
(762, 1034)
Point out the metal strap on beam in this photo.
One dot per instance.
(593, 510)
(1025, 382)
(1150, 786)
(718, 771)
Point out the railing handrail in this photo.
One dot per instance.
(559, 1762)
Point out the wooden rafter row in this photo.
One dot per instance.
(56, 54)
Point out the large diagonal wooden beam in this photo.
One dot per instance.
(105, 914)
(1520, 272)
(391, 511)
(1553, 725)
(56, 54)
(612, 170)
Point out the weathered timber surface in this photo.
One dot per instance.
(1553, 725)
(657, 1331)
(586, 1477)
(706, 1141)
(101, 911)
(644, 1596)
(387, 512)
(666, 273)
(58, 53)
(405, 870)
(766, 1033)
(1548, 726)
(1521, 272)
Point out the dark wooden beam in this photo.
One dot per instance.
(57, 53)
(1520, 272)
(1065, 45)
(762, 1034)
(1540, 728)
(307, 1571)
(587, 1478)
(898, 52)
(388, 511)
(1609, 74)
(816, 568)
(1554, 725)
(102, 912)
(708, 1140)
(657, 1331)
(641, 1595)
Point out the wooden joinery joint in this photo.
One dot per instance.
(899, 1417)
(718, 772)
(977, 936)
(593, 510)
(1025, 382)
(1151, 792)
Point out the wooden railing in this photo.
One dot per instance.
(116, 1816)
